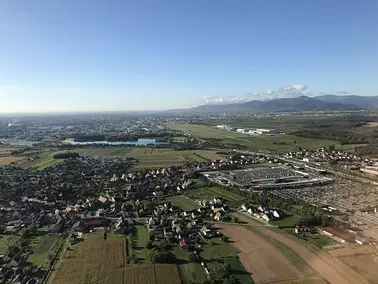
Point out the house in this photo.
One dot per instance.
(55, 228)
(218, 216)
(182, 244)
(267, 216)
(302, 230)
(278, 214)
(243, 207)
(93, 222)
(205, 231)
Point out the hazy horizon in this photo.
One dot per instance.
(97, 56)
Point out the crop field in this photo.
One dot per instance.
(167, 273)
(93, 260)
(192, 273)
(139, 274)
(184, 203)
(147, 157)
(277, 142)
(259, 257)
(329, 268)
(9, 160)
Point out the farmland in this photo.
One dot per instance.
(146, 157)
(332, 270)
(259, 257)
(9, 160)
(278, 142)
(167, 273)
(184, 203)
(139, 274)
(93, 261)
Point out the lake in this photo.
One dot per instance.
(139, 142)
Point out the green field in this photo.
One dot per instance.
(192, 273)
(220, 192)
(288, 221)
(44, 247)
(217, 248)
(319, 240)
(277, 142)
(142, 253)
(184, 203)
(7, 241)
(238, 271)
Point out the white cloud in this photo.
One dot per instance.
(288, 91)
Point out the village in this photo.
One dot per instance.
(177, 215)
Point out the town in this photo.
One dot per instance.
(157, 201)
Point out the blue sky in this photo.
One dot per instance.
(140, 55)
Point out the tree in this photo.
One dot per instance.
(192, 257)
(164, 257)
(149, 245)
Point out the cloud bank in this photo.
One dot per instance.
(288, 91)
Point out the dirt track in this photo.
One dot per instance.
(331, 269)
(259, 257)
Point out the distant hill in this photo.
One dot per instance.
(360, 101)
(302, 103)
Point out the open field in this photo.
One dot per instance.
(220, 192)
(139, 274)
(93, 260)
(259, 257)
(147, 157)
(184, 203)
(142, 253)
(192, 272)
(7, 241)
(238, 271)
(278, 142)
(331, 269)
(213, 192)
(6, 151)
(218, 249)
(167, 273)
(46, 245)
(10, 159)
(288, 221)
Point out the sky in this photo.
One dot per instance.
(96, 55)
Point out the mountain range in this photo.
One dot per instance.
(298, 104)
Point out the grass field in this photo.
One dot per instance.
(238, 271)
(220, 192)
(184, 203)
(142, 253)
(319, 240)
(217, 249)
(278, 142)
(288, 221)
(47, 245)
(192, 273)
(7, 241)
